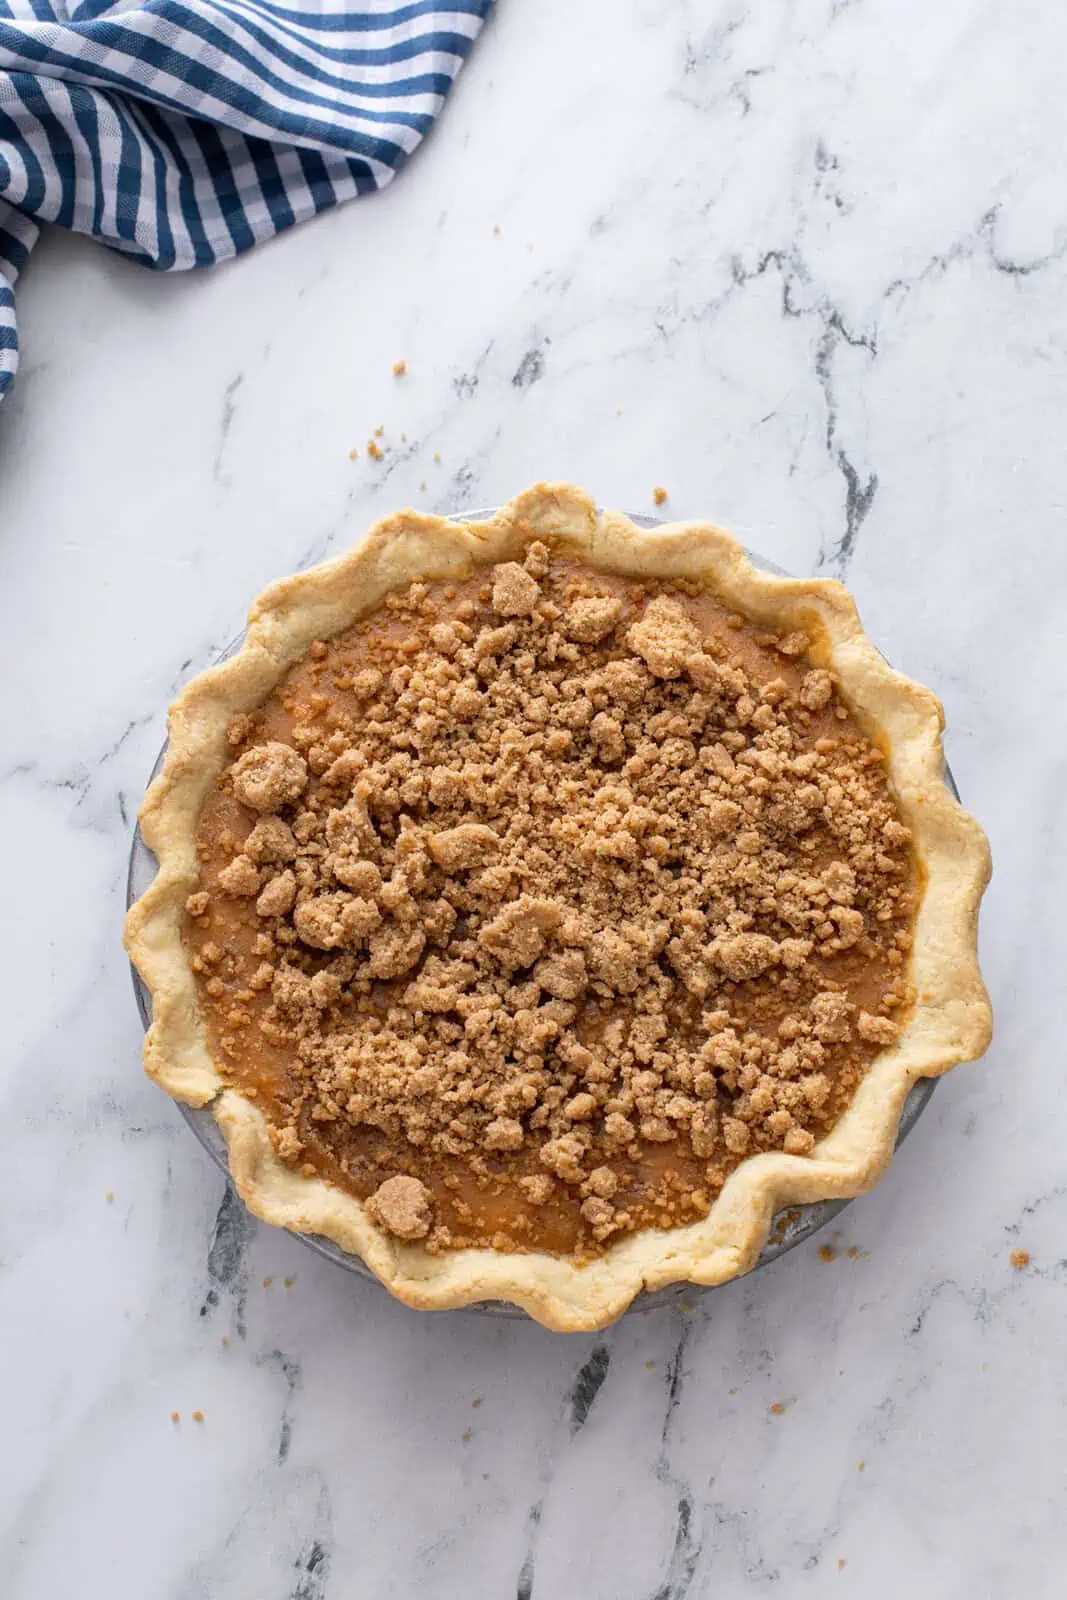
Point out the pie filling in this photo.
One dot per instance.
(534, 903)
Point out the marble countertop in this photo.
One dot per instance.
(806, 266)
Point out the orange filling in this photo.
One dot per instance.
(556, 893)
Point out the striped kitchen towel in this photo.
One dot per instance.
(182, 132)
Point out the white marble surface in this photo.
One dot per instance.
(806, 265)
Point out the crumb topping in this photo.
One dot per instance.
(403, 1207)
(534, 903)
(269, 776)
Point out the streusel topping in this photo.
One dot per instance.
(533, 904)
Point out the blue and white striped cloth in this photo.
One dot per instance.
(182, 132)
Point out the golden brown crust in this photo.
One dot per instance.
(951, 1021)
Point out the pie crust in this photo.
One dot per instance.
(950, 1021)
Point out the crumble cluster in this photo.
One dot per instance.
(546, 874)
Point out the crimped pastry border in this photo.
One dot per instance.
(951, 1021)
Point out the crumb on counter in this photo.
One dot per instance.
(660, 495)
(437, 456)
(1020, 1259)
(110, 1197)
(198, 1416)
(353, 454)
(827, 1252)
(175, 1416)
(268, 1280)
(779, 1407)
(374, 450)
(379, 430)
(496, 227)
(399, 368)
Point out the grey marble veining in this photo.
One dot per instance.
(806, 266)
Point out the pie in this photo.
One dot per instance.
(543, 903)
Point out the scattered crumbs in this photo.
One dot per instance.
(861, 1466)
(467, 1435)
(854, 1252)
(496, 227)
(731, 1391)
(660, 495)
(374, 450)
(1020, 1258)
(476, 1402)
(225, 1340)
(437, 456)
(827, 1252)
(399, 368)
(842, 1562)
(485, 1477)
(353, 454)
(175, 1416)
(198, 1416)
(649, 1365)
(288, 1282)
(267, 1281)
(779, 1407)
(379, 430)
(110, 1198)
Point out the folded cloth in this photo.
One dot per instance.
(182, 132)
